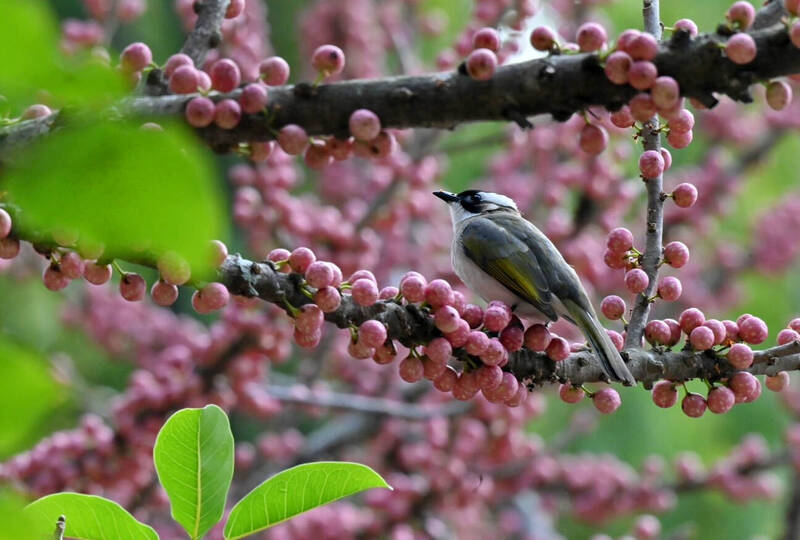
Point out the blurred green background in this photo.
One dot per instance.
(30, 328)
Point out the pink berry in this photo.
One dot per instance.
(657, 332)
(537, 337)
(234, 9)
(779, 95)
(642, 75)
(97, 274)
(489, 377)
(364, 292)
(439, 350)
(642, 107)
(676, 254)
(227, 114)
(218, 253)
(675, 331)
(477, 343)
(173, 268)
(591, 37)
(328, 299)
(651, 164)
(679, 139)
(636, 280)
(328, 60)
(625, 39)
(309, 318)
(731, 331)
(54, 279)
(412, 287)
(317, 155)
(136, 57)
(720, 400)
(132, 287)
(183, 80)
(593, 139)
(613, 307)
(745, 386)
(685, 195)
(794, 34)
(438, 293)
(570, 394)
(466, 386)
(200, 112)
(742, 318)
(558, 349)
(210, 298)
(364, 125)
(647, 527)
(163, 293)
(623, 118)
(5, 223)
(665, 92)
(411, 369)
(543, 38)
(620, 240)
(486, 38)
(473, 315)
(686, 25)
(702, 338)
(446, 319)
(682, 122)
(508, 387)
(753, 330)
(617, 66)
(740, 356)
(512, 337)
(446, 381)
(307, 340)
(778, 382)
(616, 339)
(320, 274)
(339, 149)
(495, 353)
(430, 370)
(742, 14)
(670, 288)
(496, 318)
(693, 405)
(606, 400)
(613, 260)
(719, 330)
(175, 61)
(379, 147)
(481, 64)
(300, 259)
(690, 319)
(664, 394)
(787, 335)
(225, 75)
(253, 98)
(274, 71)
(741, 48)
(642, 47)
(292, 139)
(372, 333)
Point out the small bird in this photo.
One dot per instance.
(502, 256)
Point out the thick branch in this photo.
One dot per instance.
(654, 228)
(412, 326)
(558, 85)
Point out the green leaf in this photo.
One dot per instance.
(194, 460)
(88, 518)
(28, 396)
(139, 193)
(297, 490)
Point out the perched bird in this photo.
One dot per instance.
(500, 255)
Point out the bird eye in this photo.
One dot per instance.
(475, 198)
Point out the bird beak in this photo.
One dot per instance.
(446, 197)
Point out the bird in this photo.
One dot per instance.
(500, 255)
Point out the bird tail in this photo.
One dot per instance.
(612, 362)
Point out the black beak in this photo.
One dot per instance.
(446, 197)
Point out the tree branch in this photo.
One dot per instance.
(559, 85)
(654, 228)
(412, 325)
(792, 531)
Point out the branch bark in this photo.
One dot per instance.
(558, 85)
(412, 325)
(654, 229)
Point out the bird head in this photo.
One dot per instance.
(473, 202)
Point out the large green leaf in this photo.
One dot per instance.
(297, 490)
(88, 517)
(28, 395)
(134, 191)
(194, 460)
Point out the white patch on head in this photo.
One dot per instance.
(498, 200)
(458, 213)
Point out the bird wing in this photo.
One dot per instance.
(509, 259)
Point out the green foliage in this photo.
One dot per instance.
(134, 191)
(297, 490)
(16, 524)
(28, 395)
(194, 460)
(88, 517)
(30, 27)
